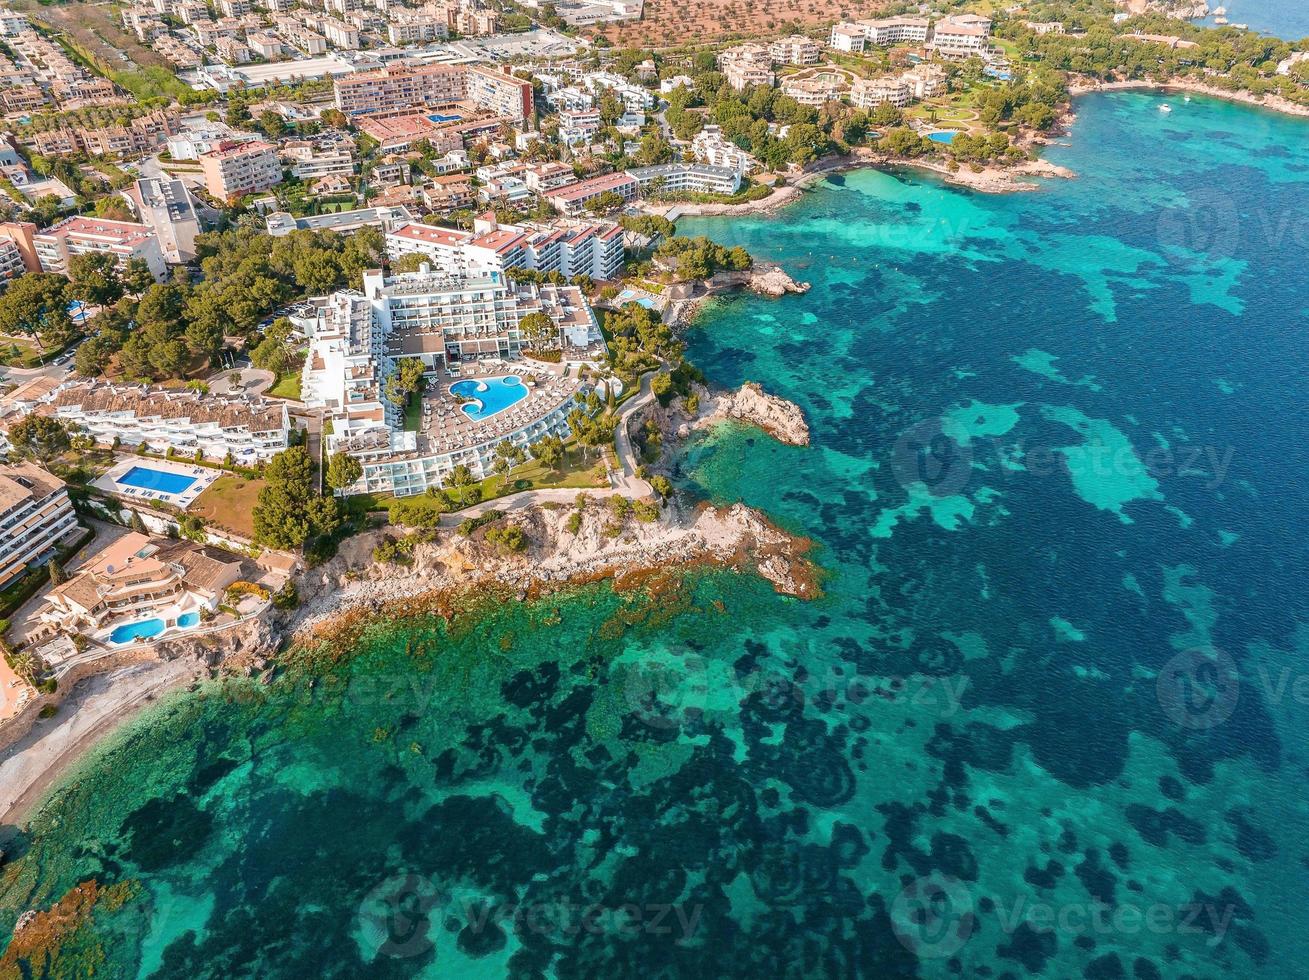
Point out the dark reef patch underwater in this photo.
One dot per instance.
(1049, 718)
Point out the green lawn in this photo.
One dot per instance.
(229, 502)
(287, 385)
(414, 412)
(574, 473)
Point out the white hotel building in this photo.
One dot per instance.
(253, 430)
(35, 516)
(446, 321)
(570, 248)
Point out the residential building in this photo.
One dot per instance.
(402, 87)
(867, 93)
(234, 8)
(634, 97)
(794, 50)
(138, 578)
(569, 248)
(847, 38)
(1046, 27)
(677, 81)
(815, 90)
(21, 237)
(961, 35)
(544, 177)
(682, 178)
(310, 159)
(281, 223)
(264, 45)
(449, 192)
(415, 29)
(83, 234)
(11, 261)
(889, 31)
(232, 51)
(746, 66)
(144, 134)
(711, 147)
(925, 81)
(36, 516)
(574, 198)
(233, 169)
(578, 127)
(167, 208)
(252, 430)
(339, 34)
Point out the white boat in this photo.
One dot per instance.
(1220, 11)
(1186, 98)
(1220, 21)
(1165, 108)
(1242, 27)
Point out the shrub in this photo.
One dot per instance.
(574, 523)
(509, 538)
(645, 513)
(287, 597)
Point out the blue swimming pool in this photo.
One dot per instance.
(630, 296)
(490, 395)
(437, 117)
(187, 620)
(943, 136)
(143, 630)
(147, 479)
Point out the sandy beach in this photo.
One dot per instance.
(98, 705)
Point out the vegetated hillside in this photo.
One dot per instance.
(668, 22)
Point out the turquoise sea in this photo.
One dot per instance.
(1049, 718)
(1287, 19)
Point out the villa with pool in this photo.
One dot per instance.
(479, 390)
(140, 589)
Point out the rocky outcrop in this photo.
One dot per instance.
(780, 418)
(599, 544)
(774, 282)
(765, 279)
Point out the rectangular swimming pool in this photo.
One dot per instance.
(145, 478)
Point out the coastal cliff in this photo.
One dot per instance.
(566, 545)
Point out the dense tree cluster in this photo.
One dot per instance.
(638, 341)
(289, 512)
(174, 327)
(700, 257)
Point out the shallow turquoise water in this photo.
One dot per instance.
(1044, 721)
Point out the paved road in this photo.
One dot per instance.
(626, 483)
(253, 381)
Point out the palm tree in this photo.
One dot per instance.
(26, 666)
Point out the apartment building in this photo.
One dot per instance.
(405, 29)
(402, 87)
(264, 45)
(143, 134)
(573, 199)
(167, 208)
(815, 90)
(234, 8)
(181, 55)
(233, 169)
(233, 51)
(301, 37)
(795, 50)
(578, 127)
(11, 261)
(689, 178)
(139, 578)
(634, 97)
(847, 38)
(83, 234)
(925, 81)
(710, 147)
(311, 159)
(569, 248)
(961, 36)
(251, 430)
(746, 66)
(868, 93)
(35, 517)
(889, 31)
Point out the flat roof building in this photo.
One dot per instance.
(234, 169)
(36, 515)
